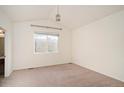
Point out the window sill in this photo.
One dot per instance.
(38, 53)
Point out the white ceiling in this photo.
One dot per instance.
(27, 12)
(73, 16)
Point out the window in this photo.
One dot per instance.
(46, 43)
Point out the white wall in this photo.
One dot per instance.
(100, 46)
(23, 46)
(6, 23)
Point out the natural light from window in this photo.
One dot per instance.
(46, 43)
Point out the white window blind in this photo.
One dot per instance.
(46, 42)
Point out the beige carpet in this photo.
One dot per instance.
(66, 75)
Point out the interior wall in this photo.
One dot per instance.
(100, 46)
(23, 46)
(6, 23)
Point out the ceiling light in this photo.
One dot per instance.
(1, 31)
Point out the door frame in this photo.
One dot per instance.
(4, 31)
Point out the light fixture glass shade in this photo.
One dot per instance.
(1, 31)
(58, 17)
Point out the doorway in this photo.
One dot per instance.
(2, 52)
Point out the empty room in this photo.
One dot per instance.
(61, 46)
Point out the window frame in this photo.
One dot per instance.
(47, 52)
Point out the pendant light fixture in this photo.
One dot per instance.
(58, 17)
